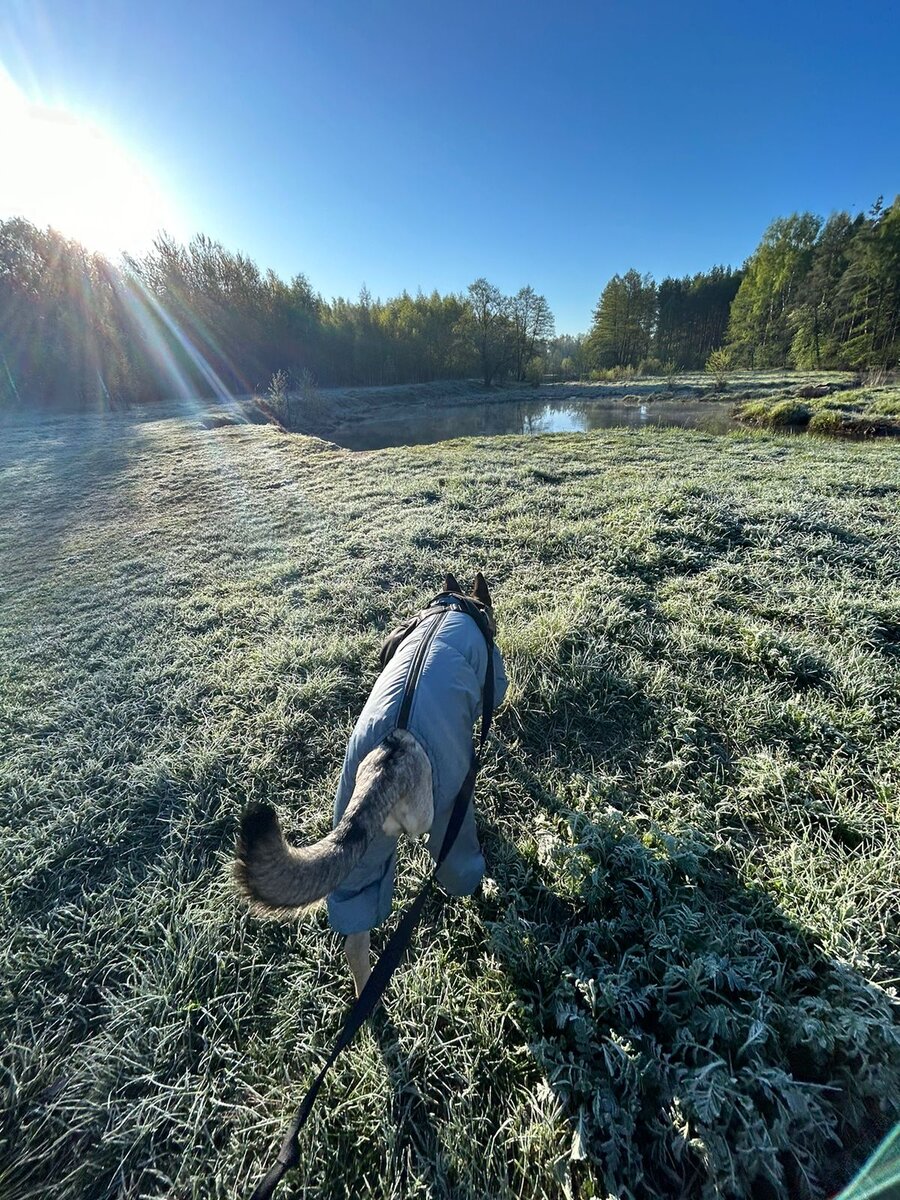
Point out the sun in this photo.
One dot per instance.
(64, 171)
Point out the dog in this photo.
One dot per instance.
(394, 781)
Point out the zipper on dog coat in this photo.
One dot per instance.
(415, 667)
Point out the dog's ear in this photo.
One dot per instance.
(451, 584)
(480, 591)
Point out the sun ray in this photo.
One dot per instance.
(153, 318)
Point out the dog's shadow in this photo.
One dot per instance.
(693, 1036)
(417, 1142)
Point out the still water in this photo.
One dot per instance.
(435, 422)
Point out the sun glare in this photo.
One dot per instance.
(63, 171)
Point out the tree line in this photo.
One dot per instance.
(814, 294)
(198, 319)
(675, 324)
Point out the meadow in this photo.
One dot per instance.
(679, 980)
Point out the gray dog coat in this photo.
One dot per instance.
(446, 704)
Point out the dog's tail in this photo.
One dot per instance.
(279, 879)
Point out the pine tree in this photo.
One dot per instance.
(624, 321)
(868, 295)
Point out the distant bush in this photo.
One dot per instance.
(308, 386)
(295, 400)
(781, 415)
(612, 374)
(534, 371)
(756, 412)
(719, 365)
(650, 366)
(789, 412)
(279, 398)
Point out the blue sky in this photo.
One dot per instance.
(424, 144)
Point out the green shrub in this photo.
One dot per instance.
(650, 366)
(789, 412)
(780, 415)
(278, 396)
(756, 412)
(718, 365)
(826, 421)
(534, 371)
(613, 374)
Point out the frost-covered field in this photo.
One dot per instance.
(680, 981)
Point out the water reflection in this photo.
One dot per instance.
(437, 423)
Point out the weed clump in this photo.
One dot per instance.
(782, 414)
(827, 421)
(295, 400)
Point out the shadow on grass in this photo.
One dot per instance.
(418, 1142)
(698, 1041)
(58, 471)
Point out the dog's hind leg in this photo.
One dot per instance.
(356, 947)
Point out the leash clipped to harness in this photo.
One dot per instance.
(391, 956)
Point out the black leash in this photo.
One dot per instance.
(392, 954)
